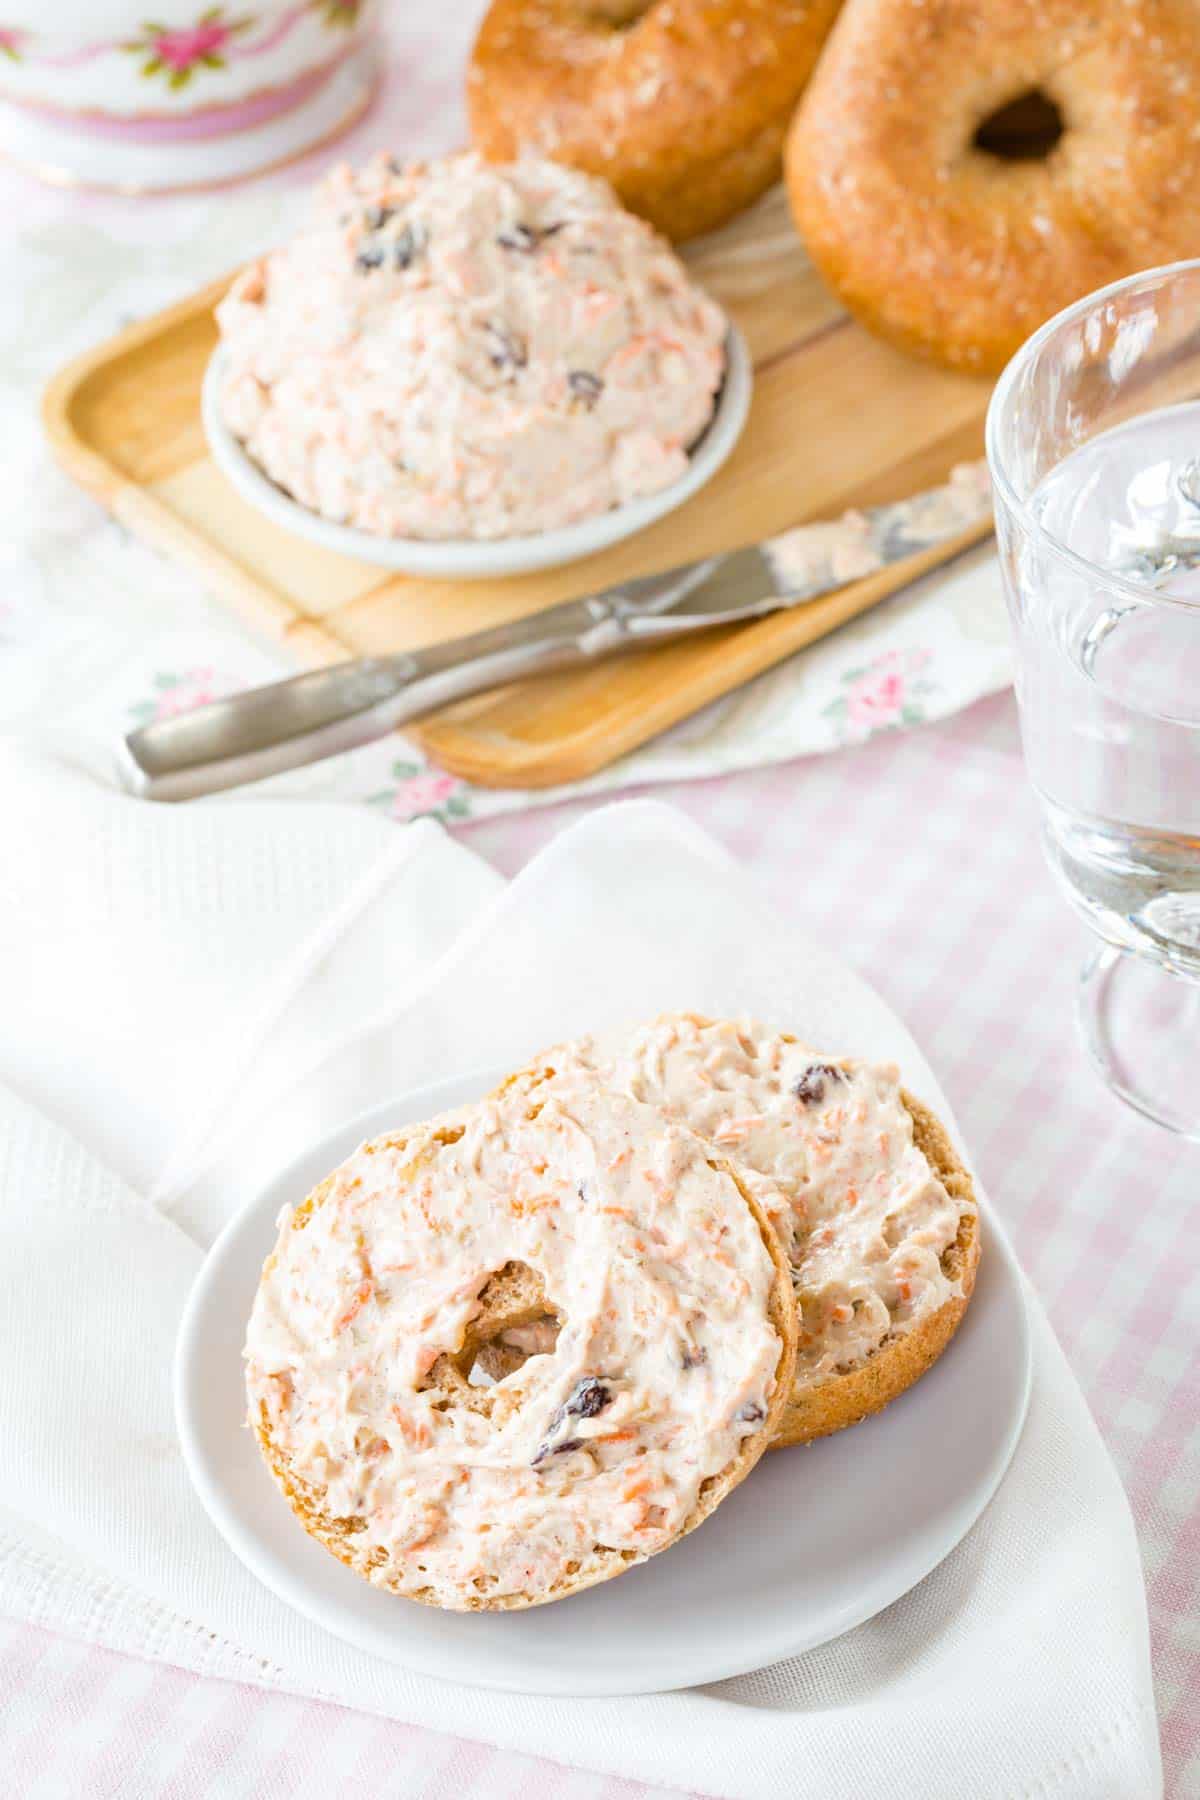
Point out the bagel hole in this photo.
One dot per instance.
(1023, 130)
(510, 1350)
(618, 15)
(517, 1321)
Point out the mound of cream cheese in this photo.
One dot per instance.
(459, 350)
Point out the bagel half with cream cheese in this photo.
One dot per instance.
(622, 1270)
(861, 1181)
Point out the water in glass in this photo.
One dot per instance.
(1110, 687)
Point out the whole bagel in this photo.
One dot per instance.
(962, 169)
(681, 104)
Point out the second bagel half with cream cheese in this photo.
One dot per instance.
(863, 1185)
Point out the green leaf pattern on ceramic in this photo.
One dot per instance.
(174, 53)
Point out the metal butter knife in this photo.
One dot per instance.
(289, 723)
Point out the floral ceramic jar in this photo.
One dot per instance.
(102, 95)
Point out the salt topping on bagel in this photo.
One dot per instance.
(828, 1147)
(959, 172)
(681, 104)
(658, 1361)
(461, 351)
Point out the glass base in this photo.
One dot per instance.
(1141, 1026)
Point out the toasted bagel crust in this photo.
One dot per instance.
(841, 1400)
(817, 1408)
(681, 104)
(956, 248)
(510, 1301)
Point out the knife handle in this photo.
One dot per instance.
(287, 724)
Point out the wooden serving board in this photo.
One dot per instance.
(837, 420)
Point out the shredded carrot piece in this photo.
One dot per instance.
(362, 1294)
(414, 1431)
(732, 1130)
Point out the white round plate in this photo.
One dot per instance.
(816, 1540)
(472, 559)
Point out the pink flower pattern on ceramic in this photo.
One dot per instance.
(181, 691)
(422, 793)
(177, 53)
(891, 690)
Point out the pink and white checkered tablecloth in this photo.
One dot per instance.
(919, 853)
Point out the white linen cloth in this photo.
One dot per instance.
(188, 994)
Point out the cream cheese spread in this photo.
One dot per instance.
(827, 1145)
(857, 543)
(664, 1357)
(458, 350)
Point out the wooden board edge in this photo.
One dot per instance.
(155, 524)
(72, 451)
(142, 512)
(754, 648)
(487, 760)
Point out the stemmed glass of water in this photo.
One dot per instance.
(1093, 440)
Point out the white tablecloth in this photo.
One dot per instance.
(918, 850)
(217, 1038)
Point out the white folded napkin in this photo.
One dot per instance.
(188, 995)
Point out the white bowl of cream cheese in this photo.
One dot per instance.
(462, 369)
(476, 559)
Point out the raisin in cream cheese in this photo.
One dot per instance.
(454, 350)
(827, 1145)
(657, 1356)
